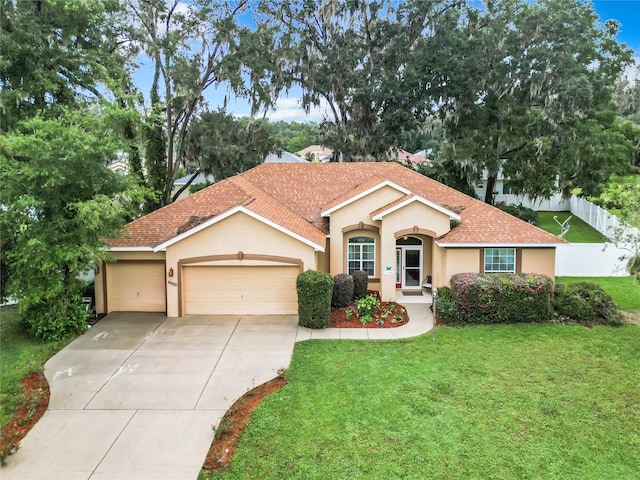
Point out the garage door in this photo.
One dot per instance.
(240, 290)
(136, 287)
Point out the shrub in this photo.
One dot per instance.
(446, 310)
(360, 284)
(55, 321)
(502, 298)
(523, 213)
(367, 307)
(314, 298)
(586, 303)
(342, 290)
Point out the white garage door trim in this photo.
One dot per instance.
(251, 289)
(136, 286)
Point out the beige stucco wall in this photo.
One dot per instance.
(413, 215)
(539, 260)
(237, 233)
(460, 260)
(128, 256)
(352, 214)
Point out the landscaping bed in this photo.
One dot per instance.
(387, 315)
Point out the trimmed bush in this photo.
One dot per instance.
(446, 310)
(343, 287)
(502, 298)
(360, 284)
(314, 298)
(586, 303)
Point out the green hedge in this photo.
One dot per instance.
(343, 288)
(360, 284)
(496, 298)
(315, 290)
(586, 303)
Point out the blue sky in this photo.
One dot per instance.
(627, 12)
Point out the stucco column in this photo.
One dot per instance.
(387, 259)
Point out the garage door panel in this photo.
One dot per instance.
(136, 287)
(240, 290)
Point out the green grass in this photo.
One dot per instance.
(625, 291)
(19, 355)
(579, 232)
(482, 402)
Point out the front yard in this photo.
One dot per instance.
(625, 291)
(502, 401)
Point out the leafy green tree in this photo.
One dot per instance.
(192, 46)
(59, 201)
(224, 146)
(374, 64)
(56, 53)
(531, 97)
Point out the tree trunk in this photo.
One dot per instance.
(491, 183)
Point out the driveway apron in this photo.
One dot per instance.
(135, 397)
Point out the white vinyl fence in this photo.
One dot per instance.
(584, 259)
(590, 260)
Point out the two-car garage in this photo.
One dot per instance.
(265, 289)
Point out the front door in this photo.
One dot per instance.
(409, 263)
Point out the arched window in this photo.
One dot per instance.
(361, 255)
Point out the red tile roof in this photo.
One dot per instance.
(294, 195)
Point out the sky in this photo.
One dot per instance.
(288, 108)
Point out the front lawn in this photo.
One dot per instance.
(625, 291)
(20, 355)
(502, 401)
(579, 231)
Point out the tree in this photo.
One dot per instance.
(55, 54)
(223, 146)
(533, 97)
(59, 201)
(194, 45)
(374, 64)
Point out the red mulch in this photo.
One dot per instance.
(36, 394)
(388, 315)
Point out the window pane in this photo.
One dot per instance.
(499, 260)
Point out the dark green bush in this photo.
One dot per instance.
(445, 309)
(55, 320)
(360, 284)
(343, 287)
(314, 298)
(502, 298)
(586, 303)
(520, 211)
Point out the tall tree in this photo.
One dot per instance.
(533, 97)
(195, 45)
(59, 200)
(56, 53)
(358, 59)
(223, 146)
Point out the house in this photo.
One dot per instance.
(238, 245)
(283, 157)
(407, 158)
(200, 179)
(315, 153)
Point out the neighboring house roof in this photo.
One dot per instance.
(293, 198)
(407, 157)
(201, 178)
(317, 151)
(284, 157)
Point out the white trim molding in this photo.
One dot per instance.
(424, 201)
(386, 183)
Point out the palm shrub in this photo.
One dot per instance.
(360, 284)
(343, 287)
(314, 298)
(586, 303)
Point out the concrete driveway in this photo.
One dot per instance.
(136, 395)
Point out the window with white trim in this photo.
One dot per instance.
(499, 260)
(361, 255)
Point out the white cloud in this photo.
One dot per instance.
(289, 109)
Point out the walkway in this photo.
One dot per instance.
(135, 397)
